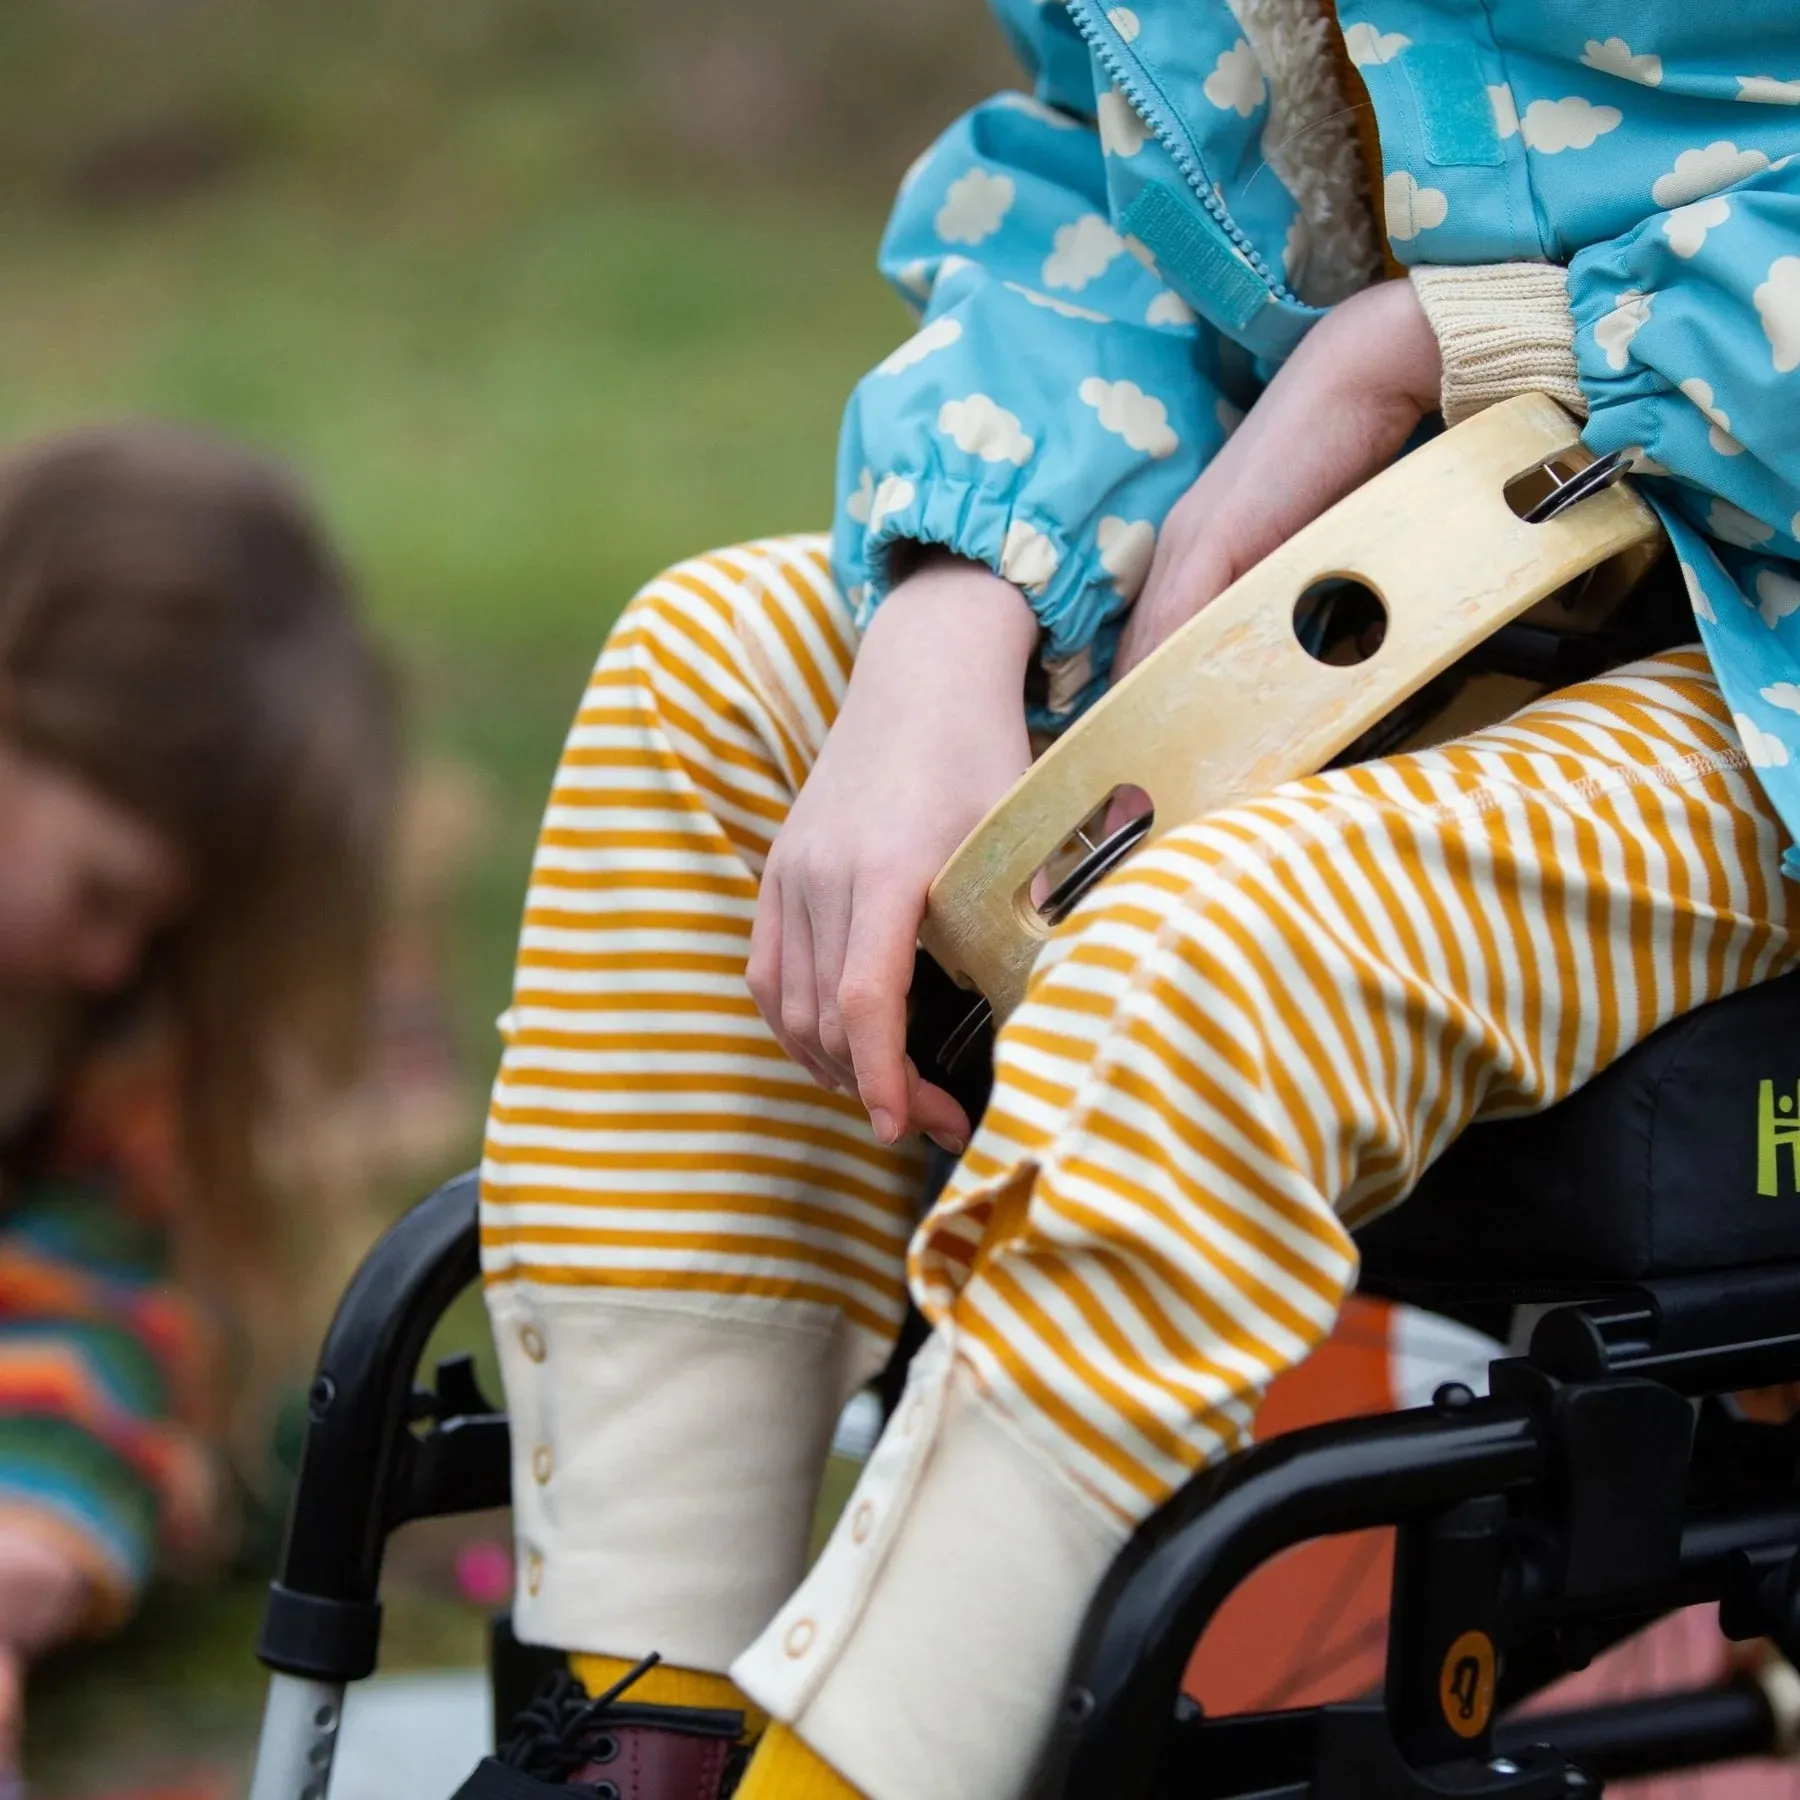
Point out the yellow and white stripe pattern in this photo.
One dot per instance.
(646, 1130)
(1252, 1038)
(1263, 1030)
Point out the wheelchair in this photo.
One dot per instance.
(1647, 1229)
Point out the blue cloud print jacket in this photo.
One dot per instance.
(1601, 202)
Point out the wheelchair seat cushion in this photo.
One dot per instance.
(1683, 1156)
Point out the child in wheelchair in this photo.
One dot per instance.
(195, 758)
(1209, 277)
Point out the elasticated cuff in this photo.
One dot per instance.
(924, 1656)
(665, 1462)
(1504, 329)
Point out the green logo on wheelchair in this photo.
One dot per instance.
(1466, 1684)
(1777, 1129)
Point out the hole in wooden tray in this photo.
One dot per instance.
(1340, 621)
(1525, 491)
(1090, 852)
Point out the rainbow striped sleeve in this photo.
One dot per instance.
(99, 1391)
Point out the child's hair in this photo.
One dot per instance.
(176, 632)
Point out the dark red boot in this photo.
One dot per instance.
(566, 1746)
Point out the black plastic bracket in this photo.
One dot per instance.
(1619, 1459)
(362, 1469)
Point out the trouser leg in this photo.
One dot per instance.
(693, 1255)
(1256, 1036)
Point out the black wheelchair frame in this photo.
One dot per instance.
(1604, 1481)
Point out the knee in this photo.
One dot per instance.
(1231, 871)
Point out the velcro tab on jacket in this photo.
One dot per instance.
(1195, 254)
(1456, 117)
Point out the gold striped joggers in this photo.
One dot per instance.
(1251, 1039)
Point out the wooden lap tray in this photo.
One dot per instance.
(1233, 704)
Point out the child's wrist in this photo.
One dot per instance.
(961, 608)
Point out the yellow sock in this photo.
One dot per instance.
(666, 1685)
(783, 1768)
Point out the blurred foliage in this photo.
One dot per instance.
(110, 101)
(540, 295)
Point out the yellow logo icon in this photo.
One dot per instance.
(1777, 1129)
(1466, 1684)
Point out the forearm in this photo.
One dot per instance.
(949, 609)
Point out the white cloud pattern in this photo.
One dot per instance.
(974, 207)
(1122, 132)
(1050, 303)
(1236, 83)
(1028, 558)
(894, 494)
(1081, 253)
(1736, 526)
(1700, 172)
(1613, 56)
(1126, 547)
(858, 501)
(1703, 607)
(1126, 410)
(1034, 108)
(1370, 44)
(915, 277)
(1768, 90)
(1700, 392)
(1778, 306)
(1686, 227)
(1410, 208)
(1553, 126)
(940, 334)
(980, 426)
(1764, 749)
(1125, 22)
(1777, 595)
(1168, 308)
(1783, 694)
(1506, 109)
(1614, 332)
(1141, 252)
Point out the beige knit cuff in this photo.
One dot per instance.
(1504, 329)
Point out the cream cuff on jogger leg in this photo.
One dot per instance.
(666, 1461)
(923, 1657)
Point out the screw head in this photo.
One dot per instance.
(320, 1396)
(1453, 1396)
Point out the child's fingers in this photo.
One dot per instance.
(763, 975)
(799, 1005)
(936, 1114)
(829, 914)
(871, 1000)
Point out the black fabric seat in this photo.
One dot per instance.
(1683, 1157)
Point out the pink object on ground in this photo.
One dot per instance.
(484, 1573)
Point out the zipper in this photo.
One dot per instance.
(1174, 142)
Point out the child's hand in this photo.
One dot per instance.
(44, 1596)
(931, 734)
(1336, 414)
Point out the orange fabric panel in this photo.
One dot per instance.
(1312, 1625)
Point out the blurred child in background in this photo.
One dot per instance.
(196, 767)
